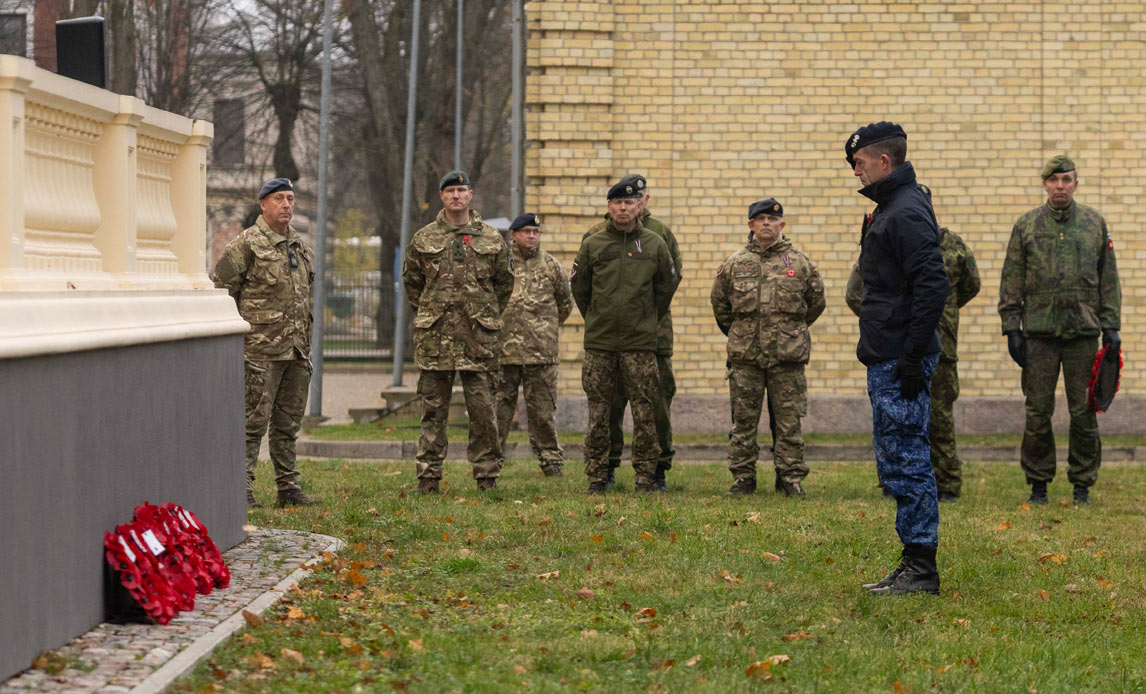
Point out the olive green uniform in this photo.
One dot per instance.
(666, 379)
(963, 275)
(458, 281)
(623, 283)
(765, 299)
(270, 276)
(1060, 287)
(540, 303)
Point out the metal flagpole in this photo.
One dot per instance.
(458, 92)
(516, 129)
(407, 194)
(320, 223)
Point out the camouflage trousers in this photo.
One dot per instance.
(275, 394)
(539, 384)
(662, 414)
(435, 388)
(945, 461)
(903, 453)
(1040, 380)
(787, 393)
(601, 371)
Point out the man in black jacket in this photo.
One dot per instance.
(905, 290)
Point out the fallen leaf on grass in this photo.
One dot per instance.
(585, 594)
(294, 655)
(1024, 507)
(796, 636)
(1056, 558)
(778, 659)
(944, 668)
(1104, 584)
(647, 611)
(666, 665)
(829, 560)
(588, 633)
(295, 613)
(646, 535)
(250, 528)
(598, 538)
(248, 637)
(260, 660)
(753, 518)
(1072, 588)
(253, 620)
(959, 622)
(693, 660)
(771, 557)
(1004, 525)
(759, 670)
(1043, 594)
(620, 520)
(551, 574)
(731, 579)
(416, 645)
(520, 669)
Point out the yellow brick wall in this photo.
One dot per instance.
(720, 103)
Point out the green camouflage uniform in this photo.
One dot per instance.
(963, 274)
(623, 284)
(458, 280)
(270, 276)
(1060, 286)
(541, 302)
(765, 298)
(666, 379)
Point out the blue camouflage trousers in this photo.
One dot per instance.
(903, 452)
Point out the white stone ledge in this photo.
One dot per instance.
(35, 323)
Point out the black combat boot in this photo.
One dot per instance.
(611, 480)
(779, 482)
(295, 497)
(485, 484)
(791, 488)
(948, 498)
(889, 578)
(252, 502)
(427, 486)
(919, 575)
(742, 487)
(659, 479)
(1081, 495)
(552, 470)
(596, 488)
(1038, 493)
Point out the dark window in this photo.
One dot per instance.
(13, 35)
(230, 132)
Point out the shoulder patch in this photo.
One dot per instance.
(720, 270)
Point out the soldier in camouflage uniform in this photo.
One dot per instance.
(458, 276)
(765, 297)
(540, 303)
(1059, 292)
(622, 280)
(268, 270)
(662, 406)
(963, 274)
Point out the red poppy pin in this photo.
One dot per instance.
(466, 239)
(791, 272)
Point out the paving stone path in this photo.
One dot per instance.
(138, 657)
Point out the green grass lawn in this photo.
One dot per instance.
(536, 587)
(407, 429)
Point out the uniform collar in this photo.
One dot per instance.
(882, 190)
(779, 246)
(275, 237)
(442, 221)
(1063, 215)
(517, 254)
(617, 232)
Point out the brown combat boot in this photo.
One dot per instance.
(742, 486)
(551, 470)
(486, 483)
(252, 502)
(791, 488)
(596, 488)
(295, 497)
(427, 485)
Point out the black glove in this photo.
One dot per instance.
(908, 370)
(1111, 340)
(1017, 346)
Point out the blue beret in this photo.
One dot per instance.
(275, 185)
(770, 206)
(869, 135)
(457, 177)
(525, 220)
(624, 189)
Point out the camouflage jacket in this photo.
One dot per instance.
(623, 283)
(664, 328)
(764, 299)
(541, 302)
(962, 273)
(1059, 277)
(270, 276)
(458, 281)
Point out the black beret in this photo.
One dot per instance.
(869, 135)
(637, 180)
(525, 220)
(624, 189)
(457, 177)
(275, 185)
(770, 206)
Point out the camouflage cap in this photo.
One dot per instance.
(457, 177)
(1059, 163)
(275, 185)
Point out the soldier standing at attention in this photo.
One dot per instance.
(539, 305)
(765, 297)
(622, 280)
(268, 270)
(662, 406)
(963, 276)
(458, 276)
(1059, 291)
(905, 289)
